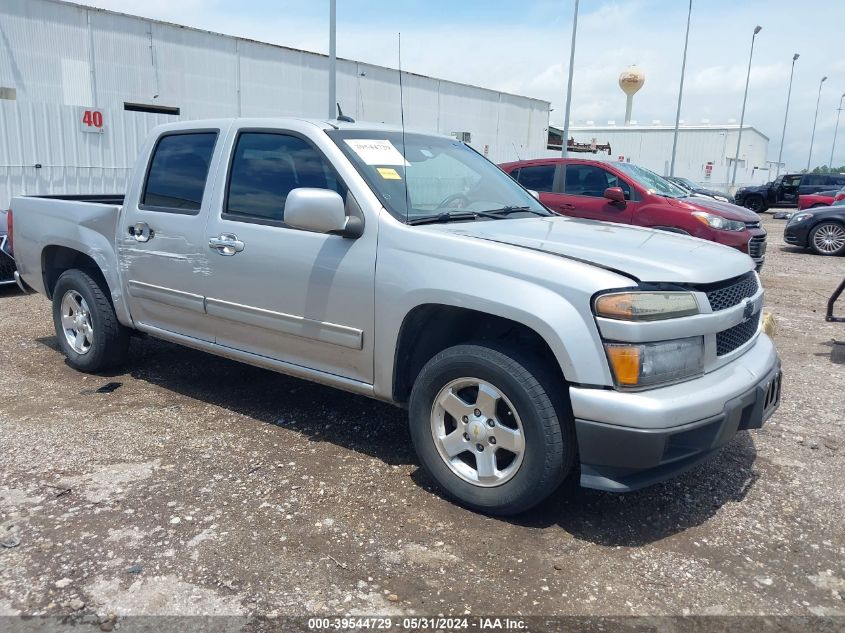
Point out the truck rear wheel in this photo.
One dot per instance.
(86, 326)
(491, 426)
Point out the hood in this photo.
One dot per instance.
(644, 254)
(724, 209)
(764, 189)
(711, 193)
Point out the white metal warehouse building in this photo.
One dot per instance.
(59, 61)
(705, 152)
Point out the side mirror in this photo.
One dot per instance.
(536, 194)
(615, 194)
(320, 211)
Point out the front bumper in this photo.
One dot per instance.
(797, 234)
(629, 440)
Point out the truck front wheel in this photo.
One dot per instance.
(491, 426)
(754, 203)
(86, 326)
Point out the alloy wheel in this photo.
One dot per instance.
(829, 238)
(477, 432)
(76, 322)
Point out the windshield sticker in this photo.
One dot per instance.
(388, 173)
(376, 152)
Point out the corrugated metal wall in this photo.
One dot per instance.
(59, 56)
(652, 148)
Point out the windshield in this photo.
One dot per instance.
(442, 176)
(651, 181)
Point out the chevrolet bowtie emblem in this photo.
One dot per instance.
(749, 310)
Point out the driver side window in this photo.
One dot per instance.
(591, 181)
(265, 168)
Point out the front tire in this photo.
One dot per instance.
(828, 238)
(87, 328)
(754, 203)
(492, 427)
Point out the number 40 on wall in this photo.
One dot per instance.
(91, 120)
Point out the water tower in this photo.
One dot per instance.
(630, 80)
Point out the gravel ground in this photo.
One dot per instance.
(203, 486)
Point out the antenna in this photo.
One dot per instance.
(342, 117)
(516, 151)
(404, 151)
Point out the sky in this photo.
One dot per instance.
(523, 47)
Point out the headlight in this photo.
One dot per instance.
(648, 364)
(718, 222)
(645, 306)
(795, 218)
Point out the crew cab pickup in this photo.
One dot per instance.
(408, 268)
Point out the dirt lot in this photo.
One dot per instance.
(204, 486)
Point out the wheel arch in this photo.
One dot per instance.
(57, 258)
(430, 328)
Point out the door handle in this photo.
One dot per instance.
(141, 231)
(226, 244)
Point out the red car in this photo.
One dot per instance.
(628, 194)
(820, 199)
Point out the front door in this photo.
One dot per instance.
(584, 185)
(279, 292)
(789, 189)
(161, 242)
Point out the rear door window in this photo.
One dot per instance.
(178, 172)
(537, 177)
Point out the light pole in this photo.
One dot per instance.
(786, 114)
(757, 29)
(680, 94)
(569, 85)
(333, 59)
(815, 118)
(835, 130)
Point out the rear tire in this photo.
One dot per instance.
(828, 238)
(87, 328)
(525, 430)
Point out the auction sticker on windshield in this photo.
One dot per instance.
(388, 173)
(376, 152)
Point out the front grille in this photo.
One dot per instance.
(737, 336)
(757, 246)
(732, 293)
(7, 268)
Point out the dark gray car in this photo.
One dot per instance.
(7, 262)
(696, 189)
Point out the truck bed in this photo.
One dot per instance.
(83, 223)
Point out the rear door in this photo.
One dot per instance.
(583, 186)
(542, 179)
(162, 247)
(287, 294)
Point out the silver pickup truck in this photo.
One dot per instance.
(407, 267)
